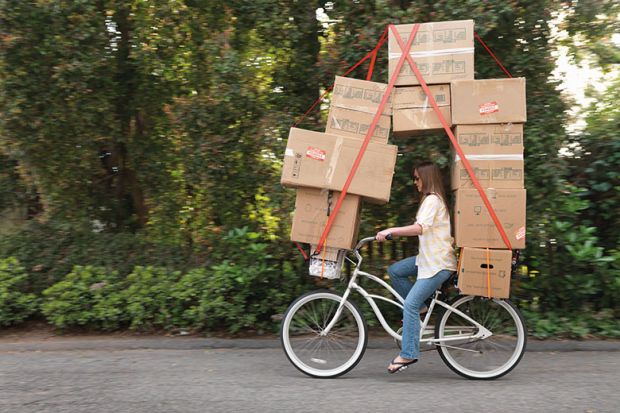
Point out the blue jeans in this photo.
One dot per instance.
(415, 294)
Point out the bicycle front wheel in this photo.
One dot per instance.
(317, 354)
(482, 358)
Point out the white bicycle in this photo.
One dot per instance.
(324, 334)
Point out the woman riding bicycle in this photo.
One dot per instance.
(433, 265)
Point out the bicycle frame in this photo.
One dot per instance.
(482, 332)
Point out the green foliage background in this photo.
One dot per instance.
(143, 140)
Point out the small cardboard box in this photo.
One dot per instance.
(413, 113)
(473, 226)
(322, 160)
(442, 51)
(353, 106)
(312, 210)
(492, 139)
(485, 271)
(488, 101)
(492, 171)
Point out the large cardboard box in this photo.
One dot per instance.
(313, 208)
(488, 101)
(485, 271)
(491, 139)
(322, 160)
(492, 171)
(473, 226)
(412, 112)
(442, 51)
(353, 106)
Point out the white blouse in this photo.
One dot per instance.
(436, 252)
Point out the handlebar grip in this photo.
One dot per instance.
(389, 237)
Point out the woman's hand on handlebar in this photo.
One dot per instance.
(383, 235)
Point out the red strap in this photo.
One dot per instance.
(492, 55)
(302, 251)
(455, 143)
(382, 40)
(371, 131)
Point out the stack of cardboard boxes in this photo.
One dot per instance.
(443, 52)
(318, 164)
(487, 116)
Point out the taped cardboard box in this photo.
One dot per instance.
(412, 112)
(322, 160)
(488, 101)
(473, 226)
(492, 171)
(313, 208)
(442, 52)
(485, 272)
(353, 106)
(491, 139)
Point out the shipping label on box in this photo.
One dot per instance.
(355, 124)
(485, 272)
(442, 52)
(492, 171)
(313, 208)
(412, 111)
(492, 139)
(488, 101)
(322, 160)
(473, 226)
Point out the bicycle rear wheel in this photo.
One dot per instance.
(485, 358)
(325, 356)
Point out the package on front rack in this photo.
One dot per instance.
(327, 263)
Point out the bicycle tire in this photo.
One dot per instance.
(489, 358)
(346, 340)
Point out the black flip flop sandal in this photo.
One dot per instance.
(402, 365)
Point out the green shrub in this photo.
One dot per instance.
(87, 297)
(187, 294)
(15, 304)
(151, 302)
(579, 325)
(247, 286)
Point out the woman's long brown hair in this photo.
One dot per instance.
(432, 181)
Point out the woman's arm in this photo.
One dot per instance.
(407, 231)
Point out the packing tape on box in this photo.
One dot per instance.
(427, 53)
(359, 108)
(508, 157)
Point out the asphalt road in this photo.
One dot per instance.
(121, 377)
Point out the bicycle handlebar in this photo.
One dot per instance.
(366, 240)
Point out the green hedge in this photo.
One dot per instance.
(87, 297)
(15, 304)
(241, 292)
(239, 289)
